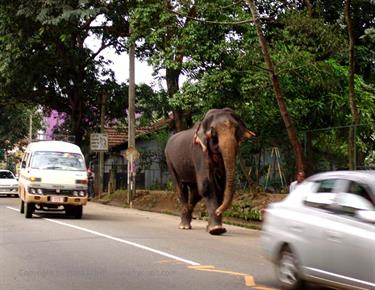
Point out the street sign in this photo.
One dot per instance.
(98, 142)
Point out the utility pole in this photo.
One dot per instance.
(31, 127)
(101, 153)
(131, 124)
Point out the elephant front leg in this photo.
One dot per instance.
(215, 222)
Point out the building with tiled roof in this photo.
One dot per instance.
(119, 136)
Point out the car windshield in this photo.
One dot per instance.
(6, 175)
(57, 161)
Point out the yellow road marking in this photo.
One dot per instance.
(249, 280)
(209, 268)
(264, 288)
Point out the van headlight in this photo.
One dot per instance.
(80, 193)
(33, 190)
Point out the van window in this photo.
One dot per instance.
(57, 161)
(24, 160)
(28, 158)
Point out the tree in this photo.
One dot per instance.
(15, 123)
(45, 59)
(278, 93)
(182, 37)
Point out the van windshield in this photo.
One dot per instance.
(57, 161)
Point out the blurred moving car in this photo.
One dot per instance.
(8, 183)
(324, 232)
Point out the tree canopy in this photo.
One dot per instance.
(208, 55)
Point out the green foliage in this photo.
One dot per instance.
(244, 210)
(44, 61)
(15, 123)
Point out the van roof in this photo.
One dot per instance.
(59, 146)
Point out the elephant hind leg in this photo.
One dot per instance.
(183, 194)
(188, 207)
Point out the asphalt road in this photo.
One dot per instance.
(115, 248)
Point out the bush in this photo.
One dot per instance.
(244, 210)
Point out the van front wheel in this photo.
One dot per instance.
(29, 209)
(78, 211)
(22, 207)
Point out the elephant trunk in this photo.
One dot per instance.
(228, 147)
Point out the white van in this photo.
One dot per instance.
(52, 176)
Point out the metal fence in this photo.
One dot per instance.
(115, 177)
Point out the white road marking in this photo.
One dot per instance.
(119, 240)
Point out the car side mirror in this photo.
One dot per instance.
(366, 216)
(320, 200)
(353, 201)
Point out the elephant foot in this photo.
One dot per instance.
(216, 230)
(184, 227)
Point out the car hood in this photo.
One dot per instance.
(8, 182)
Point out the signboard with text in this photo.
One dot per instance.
(98, 142)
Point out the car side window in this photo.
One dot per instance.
(324, 194)
(327, 185)
(359, 190)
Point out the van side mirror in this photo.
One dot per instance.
(23, 164)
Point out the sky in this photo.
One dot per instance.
(120, 66)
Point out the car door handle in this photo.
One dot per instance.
(334, 236)
(296, 228)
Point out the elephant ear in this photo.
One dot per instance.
(200, 136)
(242, 132)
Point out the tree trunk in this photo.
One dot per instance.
(172, 77)
(246, 172)
(297, 149)
(352, 98)
(309, 8)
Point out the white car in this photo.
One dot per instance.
(324, 232)
(8, 183)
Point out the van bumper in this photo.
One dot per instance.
(55, 200)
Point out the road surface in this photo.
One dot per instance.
(115, 248)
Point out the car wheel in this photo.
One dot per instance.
(29, 209)
(288, 271)
(22, 207)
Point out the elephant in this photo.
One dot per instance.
(201, 162)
